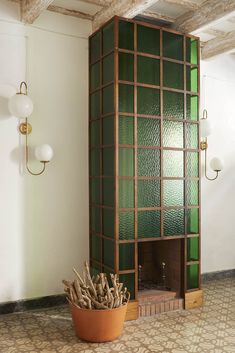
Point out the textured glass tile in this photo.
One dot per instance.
(192, 136)
(126, 67)
(148, 70)
(173, 105)
(193, 249)
(148, 40)
(108, 222)
(192, 51)
(95, 219)
(148, 162)
(126, 256)
(126, 225)
(149, 224)
(192, 79)
(108, 161)
(126, 130)
(95, 76)
(126, 35)
(126, 162)
(149, 193)
(192, 107)
(95, 133)
(192, 192)
(108, 130)
(108, 252)
(129, 282)
(192, 276)
(95, 190)
(126, 98)
(173, 164)
(173, 46)
(95, 47)
(173, 75)
(193, 221)
(192, 164)
(108, 191)
(148, 132)
(108, 37)
(173, 222)
(108, 69)
(96, 248)
(95, 162)
(108, 99)
(148, 101)
(173, 193)
(95, 105)
(126, 193)
(173, 134)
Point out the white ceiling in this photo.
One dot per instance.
(78, 5)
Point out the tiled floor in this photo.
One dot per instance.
(210, 329)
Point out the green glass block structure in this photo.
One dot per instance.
(144, 147)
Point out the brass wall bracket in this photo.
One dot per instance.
(25, 128)
(203, 145)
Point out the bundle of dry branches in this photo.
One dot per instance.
(95, 292)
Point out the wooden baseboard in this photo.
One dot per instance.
(193, 299)
(132, 310)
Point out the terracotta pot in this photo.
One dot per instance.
(98, 325)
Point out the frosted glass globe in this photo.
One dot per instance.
(20, 106)
(44, 153)
(216, 164)
(206, 127)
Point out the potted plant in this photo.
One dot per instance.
(98, 309)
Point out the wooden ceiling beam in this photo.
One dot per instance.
(188, 4)
(68, 12)
(101, 3)
(220, 45)
(32, 9)
(158, 16)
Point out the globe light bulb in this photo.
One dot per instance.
(205, 128)
(216, 164)
(20, 105)
(44, 153)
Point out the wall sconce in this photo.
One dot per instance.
(21, 106)
(216, 164)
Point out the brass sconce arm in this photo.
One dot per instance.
(216, 171)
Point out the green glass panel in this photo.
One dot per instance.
(126, 162)
(108, 161)
(126, 225)
(129, 282)
(95, 162)
(192, 79)
(148, 162)
(148, 132)
(192, 192)
(173, 75)
(96, 248)
(95, 133)
(108, 252)
(95, 269)
(126, 98)
(108, 69)
(173, 222)
(192, 136)
(173, 134)
(193, 249)
(126, 193)
(108, 99)
(126, 130)
(108, 223)
(95, 105)
(173, 105)
(126, 256)
(95, 47)
(95, 190)
(149, 193)
(148, 40)
(149, 224)
(126, 35)
(95, 76)
(173, 193)
(192, 107)
(193, 221)
(173, 164)
(108, 37)
(148, 101)
(148, 70)
(192, 51)
(126, 67)
(108, 192)
(192, 164)
(95, 219)
(173, 46)
(192, 276)
(108, 130)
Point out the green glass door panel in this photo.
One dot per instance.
(95, 185)
(95, 76)
(193, 221)
(126, 225)
(126, 98)
(192, 192)
(193, 249)
(192, 276)
(192, 164)
(128, 281)
(192, 51)
(148, 40)
(148, 101)
(95, 268)
(149, 193)
(126, 256)
(173, 105)
(108, 222)
(173, 46)
(108, 100)
(173, 134)
(108, 252)
(173, 193)
(126, 67)
(148, 132)
(148, 162)
(126, 130)
(192, 136)
(108, 69)
(108, 38)
(173, 222)
(108, 161)
(95, 162)
(95, 105)
(95, 219)
(126, 193)
(192, 107)
(126, 162)
(192, 79)
(126, 35)
(149, 224)
(173, 75)
(108, 130)
(96, 248)
(95, 133)
(95, 47)
(173, 164)
(108, 191)
(148, 70)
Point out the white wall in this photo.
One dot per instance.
(44, 220)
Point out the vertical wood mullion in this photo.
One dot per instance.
(184, 267)
(161, 134)
(100, 149)
(199, 162)
(135, 161)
